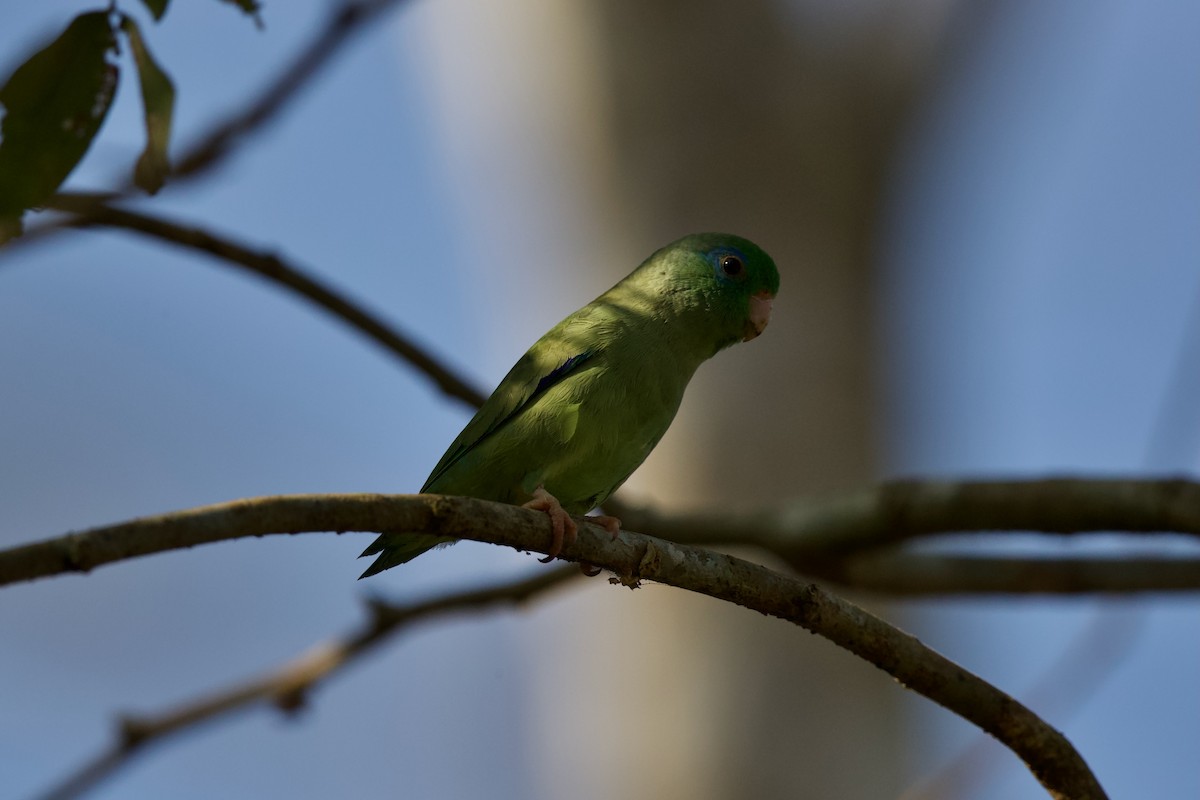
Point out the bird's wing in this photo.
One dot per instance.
(552, 359)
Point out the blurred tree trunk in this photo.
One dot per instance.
(775, 121)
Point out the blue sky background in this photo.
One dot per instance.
(1044, 269)
(1042, 255)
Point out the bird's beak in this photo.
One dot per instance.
(760, 314)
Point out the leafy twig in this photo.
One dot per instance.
(213, 146)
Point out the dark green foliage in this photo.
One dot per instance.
(53, 106)
(158, 104)
(250, 7)
(157, 8)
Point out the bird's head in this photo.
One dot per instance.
(719, 281)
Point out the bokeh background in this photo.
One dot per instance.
(987, 219)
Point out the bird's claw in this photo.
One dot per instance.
(610, 524)
(563, 527)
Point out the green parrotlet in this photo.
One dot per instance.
(588, 402)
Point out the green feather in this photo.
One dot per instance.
(581, 410)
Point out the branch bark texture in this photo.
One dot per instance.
(633, 557)
(897, 511)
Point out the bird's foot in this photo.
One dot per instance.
(610, 524)
(563, 526)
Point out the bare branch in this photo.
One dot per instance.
(93, 211)
(1166, 508)
(345, 20)
(1066, 686)
(927, 575)
(897, 511)
(84, 551)
(288, 686)
(634, 557)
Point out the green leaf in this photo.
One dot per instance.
(10, 228)
(53, 106)
(158, 105)
(250, 8)
(157, 8)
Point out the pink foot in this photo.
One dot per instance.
(563, 526)
(610, 524)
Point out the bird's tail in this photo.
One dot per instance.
(394, 549)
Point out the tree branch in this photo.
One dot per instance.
(633, 557)
(1165, 508)
(288, 686)
(92, 210)
(897, 511)
(929, 575)
(1089, 660)
(916, 509)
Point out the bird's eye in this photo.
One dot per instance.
(732, 266)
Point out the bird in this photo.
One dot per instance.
(585, 405)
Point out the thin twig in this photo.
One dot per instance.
(92, 211)
(633, 557)
(288, 686)
(346, 20)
